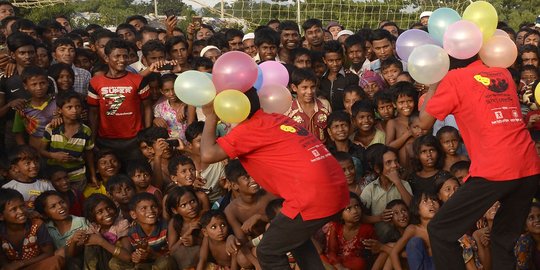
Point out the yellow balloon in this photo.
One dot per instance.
(232, 106)
(484, 15)
(537, 94)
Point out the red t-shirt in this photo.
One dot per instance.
(119, 102)
(288, 161)
(486, 107)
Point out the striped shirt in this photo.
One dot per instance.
(156, 241)
(75, 146)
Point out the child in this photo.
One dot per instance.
(38, 111)
(145, 145)
(183, 173)
(352, 94)
(364, 117)
(481, 236)
(215, 230)
(390, 70)
(415, 238)
(171, 113)
(346, 161)
(141, 173)
(24, 163)
(63, 76)
(163, 148)
(107, 233)
(346, 238)
(338, 129)
(67, 231)
(426, 164)
(445, 186)
(183, 234)
(60, 181)
(397, 129)
(212, 174)
(527, 248)
(246, 214)
(308, 110)
(107, 165)
(460, 170)
(70, 144)
(25, 242)
(121, 189)
(416, 132)
(450, 141)
(147, 237)
(384, 108)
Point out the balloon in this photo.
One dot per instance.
(194, 88)
(462, 40)
(499, 32)
(258, 84)
(275, 98)
(484, 15)
(411, 39)
(428, 64)
(439, 20)
(499, 51)
(232, 106)
(274, 73)
(234, 70)
(537, 94)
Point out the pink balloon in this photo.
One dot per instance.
(462, 39)
(499, 32)
(411, 39)
(274, 73)
(274, 98)
(499, 51)
(234, 70)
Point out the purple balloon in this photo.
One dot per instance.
(411, 39)
(274, 73)
(234, 70)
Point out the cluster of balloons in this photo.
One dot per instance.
(427, 53)
(234, 73)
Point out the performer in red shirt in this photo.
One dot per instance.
(290, 162)
(504, 163)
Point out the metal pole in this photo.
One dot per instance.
(155, 8)
(298, 12)
(222, 9)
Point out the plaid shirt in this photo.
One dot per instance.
(82, 80)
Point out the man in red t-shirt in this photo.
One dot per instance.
(288, 161)
(504, 163)
(115, 103)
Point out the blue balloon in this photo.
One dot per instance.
(259, 82)
(439, 21)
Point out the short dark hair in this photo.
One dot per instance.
(19, 39)
(310, 23)
(377, 156)
(531, 32)
(154, 133)
(405, 89)
(448, 129)
(383, 96)
(296, 52)
(356, 89)
(137, 17)
(303, 74)
(333, 46)
(117, 180)
(395, 202)
(169, 44)
(32, 71)
(193, 130)
(338, 116)
(176, 161)
(202, 62)
(100, 34)
(23, 24)
(62, 41)
(288, 25)
(128, 26)
(362, 106)
(391, 61)
(460, 165)
(266, 35)
(93, 201)
(342, 156)
(65, 97)
(208, 215)
(355, 39)
(139, 197)
(380, 34)
(234, 170)
(40, 201)
(138, 165)
(232, 33)
(152, 46)
(116, 43)
(22, 152)
(169, 77)
(8, 195)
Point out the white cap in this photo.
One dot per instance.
(248, 36)
(426, 14)
(344, 32)
(207, 48)
(537, 24)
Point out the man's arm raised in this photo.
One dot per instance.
(211, 152)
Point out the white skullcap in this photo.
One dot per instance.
(426, 14)
(248, 36)
(344, 32)
(207, 48)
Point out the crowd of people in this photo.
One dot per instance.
(104, 167)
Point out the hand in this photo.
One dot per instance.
(171, 22)
(94, 182)
(61, 156)
(484, 236)
(393, 176)
(199, 182)
(139, 255)
(249, 224)
(56, 122)
(5, 59)
(160, 122)
(10, 69)
(373, 245)
(94, 239)
(190, 30)
(208, 110)
(386, 215)
(17, 104)
(187, 241)
(84, 115)
(232, 245)
(160, 146)
(79, 238)
(155, 67)
(181, 113)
